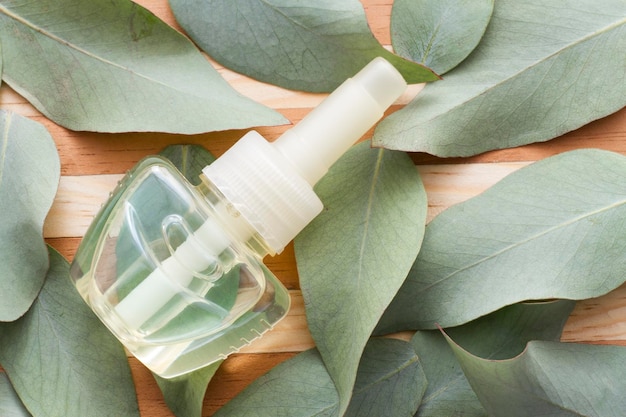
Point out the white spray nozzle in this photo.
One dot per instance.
(315, 143)
(382, 81)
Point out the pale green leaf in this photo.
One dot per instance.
(554, 229)
(439, 34)
(502, 334)
(390, 382)
(541, 69)
(448, 393)
(184, 395)
(60, 358)
(113, 66)
(298, 387)
(29, 177)
(550, 379)
(505, 333)
(354, 256)
(10, 404)
(313, 46)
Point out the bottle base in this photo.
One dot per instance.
(173, 360)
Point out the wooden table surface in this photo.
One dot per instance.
(92, 163)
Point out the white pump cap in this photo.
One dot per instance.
(271, 184)
(329, 130)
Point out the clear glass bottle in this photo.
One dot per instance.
(175, 271)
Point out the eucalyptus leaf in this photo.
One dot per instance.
(184, 395)
(60, 358)
(554, 229)
(189, 159)
(505, 333)
(439, 34)
(10, 404)
(354, 256)
(298, 387)
(113, 66)
(29, 177)
(499, 335)
(448, 392)
(312, 47)
(390, 382)
(550, 379)
(541, 69)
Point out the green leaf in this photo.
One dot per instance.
(10, 404)
(113, 66)
(189, 159)
(540, 70)
(354, 256)
(29, 177)
(554, 229)
(61, 360)
(550, 379)
(184, 395)
(390, 379)
(297, 387)
(502, 334)
(312, 47)
(0, 62)
(439, 34)
(505, 333)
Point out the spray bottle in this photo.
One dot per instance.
(175, 271)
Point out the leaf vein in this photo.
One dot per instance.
(5, 144)
(368, 212)
(527, 240)
(87, 53)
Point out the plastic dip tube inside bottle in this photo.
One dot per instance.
(175, 271)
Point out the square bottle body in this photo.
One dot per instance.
(175, 272)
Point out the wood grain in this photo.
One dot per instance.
(92, 163)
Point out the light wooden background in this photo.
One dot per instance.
(92, 163)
